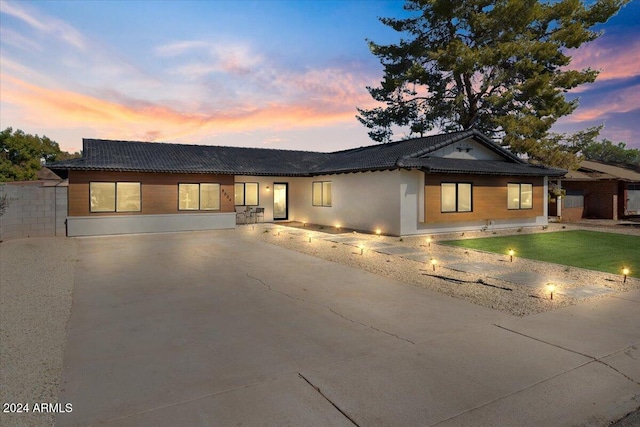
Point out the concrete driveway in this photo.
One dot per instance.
(206, 329)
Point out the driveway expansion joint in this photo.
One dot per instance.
(328, 400)
(593, 359)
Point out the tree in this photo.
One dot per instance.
(608, 151)
(21, 154)
(495, 65)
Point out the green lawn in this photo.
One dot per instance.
(592, 250)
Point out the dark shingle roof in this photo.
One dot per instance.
(130, 156)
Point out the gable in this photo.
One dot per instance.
(468, 149)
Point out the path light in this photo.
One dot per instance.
(361, 246)
(304, 223)
(625, 272)
(511, 254)
(433, 263)
(429, 241)
(309, 238)
(378, 231)
(551, 287)
(338, 226)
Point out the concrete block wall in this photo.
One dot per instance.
(33, 211)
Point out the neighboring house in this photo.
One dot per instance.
(600, 190)
(457, 181)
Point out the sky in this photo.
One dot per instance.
(270, 74)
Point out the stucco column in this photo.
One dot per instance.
(559, 201)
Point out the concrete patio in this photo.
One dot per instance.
(215, 329)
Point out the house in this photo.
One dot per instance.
(448, 182)
(600, 190)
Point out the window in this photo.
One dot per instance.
(203, 197)
(246, 194)
(519, 196)
(455, 197)
(574, 199)
(114, 196)
(321, 193)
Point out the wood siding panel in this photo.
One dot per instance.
(159, 191)
(489, 198)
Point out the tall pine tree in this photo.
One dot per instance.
(499, 66)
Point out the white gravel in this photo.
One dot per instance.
(36, 284)
(520, 300)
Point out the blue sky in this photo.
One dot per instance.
(277, 74)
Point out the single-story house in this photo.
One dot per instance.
(449, 182)
(599, 190)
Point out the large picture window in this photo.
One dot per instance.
(114, 196)
(456, 197)
(203, 197)
(519, 196)
(321, 193)
(246, 194)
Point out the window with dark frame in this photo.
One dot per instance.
(204, 196)
(114, 197)
(246, 194)
(321, 193)
(519, 196)
(456, 197)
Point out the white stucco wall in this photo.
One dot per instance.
(362, 201)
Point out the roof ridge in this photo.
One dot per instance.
(169, 144)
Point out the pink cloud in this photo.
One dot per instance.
(151, 121)
(615, 62)
(620, 101)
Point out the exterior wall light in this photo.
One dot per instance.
(625, 272)
(551, 287)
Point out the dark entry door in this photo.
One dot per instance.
(280, 200)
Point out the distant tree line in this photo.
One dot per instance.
(609, 152)
(22, 155)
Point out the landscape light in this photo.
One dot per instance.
(551, 287)
(304, 223)
(338, 226)
(309, 238)
(433, 263)
(361, 246)
(378, 231)
(429, 241)
(625, 272)
(511, 254)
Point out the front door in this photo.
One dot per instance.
(280, 196)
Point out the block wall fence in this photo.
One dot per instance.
(33, 211)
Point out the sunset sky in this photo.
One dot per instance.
(276, 74)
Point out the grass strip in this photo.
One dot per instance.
(591, 250)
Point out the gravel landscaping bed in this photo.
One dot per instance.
(36, 285)
(479, 287)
